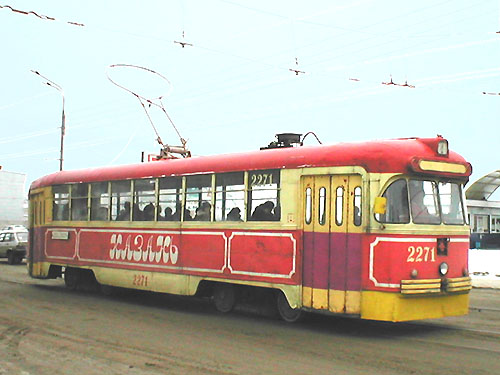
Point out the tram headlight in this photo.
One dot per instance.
(443, 269)
(442, 147)
(414, 274)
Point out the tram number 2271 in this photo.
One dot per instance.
(140, 280)
(421, 254)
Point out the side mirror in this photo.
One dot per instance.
(380, 206)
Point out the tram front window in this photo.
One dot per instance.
(424, 202)
(450, 196)
(397, 204)
(428, 202)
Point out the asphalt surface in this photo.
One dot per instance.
(46, 329)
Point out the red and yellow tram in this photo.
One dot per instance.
(376, 230)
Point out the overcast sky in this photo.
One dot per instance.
(231, 89)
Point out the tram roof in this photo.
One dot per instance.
(395, 155)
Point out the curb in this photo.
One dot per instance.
(486, 283)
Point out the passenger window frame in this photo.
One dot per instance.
(264, 188)
(63, 209)
(171, 186)
(77, 197)
(202, 186)
(237, 188)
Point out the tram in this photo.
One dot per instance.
(376, 230)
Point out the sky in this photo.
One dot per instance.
(249, 70)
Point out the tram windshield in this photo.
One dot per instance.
(423, 202)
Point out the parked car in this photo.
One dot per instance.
(13, 244)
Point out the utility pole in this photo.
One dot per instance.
(50, 83)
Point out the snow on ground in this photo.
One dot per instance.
(484, 268)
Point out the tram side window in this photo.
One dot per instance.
(60, 208)
(198, 198)
(79, 201)
(397, 211)
(144, 200)
(339, 205)
(170, 198)
(450, 197)
(99, 201)
(322, 206)
(264, 195)
(424, 202)
(121, 200)
(308, 208)
(229, 196)
(357, 206)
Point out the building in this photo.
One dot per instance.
(13, 199)
(484, 214)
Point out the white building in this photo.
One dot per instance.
(13, 199)
(483, 212)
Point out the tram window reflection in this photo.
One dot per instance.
(357, 206)
(170, 199)
(60, 208)
(121, 200)
(99, 201)
(339, 205)
(144, 200)
(397, 209)
(229, 196)
(198, 198)
(450, 197)
(424, 202)
(79, 202)
(264, 195)
(308, 208)
(322, 206)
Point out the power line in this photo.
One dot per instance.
(74, 146)
(41, 16)
(265, 63)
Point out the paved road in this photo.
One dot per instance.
(46, 329)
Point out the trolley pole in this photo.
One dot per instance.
(50, 83)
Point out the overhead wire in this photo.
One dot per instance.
(463, 45)
(41, 16)
(254, 60)
(256, 10)
(26, 99)
(395, 32)
(74, 146)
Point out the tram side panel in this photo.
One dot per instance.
(120, 256)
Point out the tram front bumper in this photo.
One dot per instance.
(418, 299)
(436, 286)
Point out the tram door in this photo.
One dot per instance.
(332, 243)
(36, 218)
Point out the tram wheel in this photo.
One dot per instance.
(224, 297)
(288, 314)
(71, 278)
